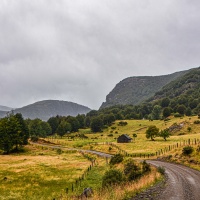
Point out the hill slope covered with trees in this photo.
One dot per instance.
(135, 90)
(49, 108)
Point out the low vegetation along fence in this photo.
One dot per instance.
(77, 183)
(159, 152)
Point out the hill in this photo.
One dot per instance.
(48, 108)
(187, 86)
(5, 108)
(135, 90)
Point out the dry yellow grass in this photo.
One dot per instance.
(128, 190)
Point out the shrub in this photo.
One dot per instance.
(187, 150)
(161, 170)
(110, 135)
(146, 167)
(59, 151)
(121, 123)
(110, 148)
(111, 177)
(117, 158)
(113, 127)
(197, 122)
(132, 170)
(34, 138)
(177, 115)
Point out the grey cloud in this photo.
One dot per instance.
(79, 50)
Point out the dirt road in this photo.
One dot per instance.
(183, 183)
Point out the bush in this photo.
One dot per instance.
(117, 158)
(132, 170)
(187, 150)
(34, 138)
(161, 170)
(197, 122)
(110, 135)
(121, 123)
(112, 177)
(177, 115)
(59, 151)
(146, 167)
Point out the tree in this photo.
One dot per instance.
(81, 120)
(39, 128)
(156, 112)
(164, 134)
(165, 102)
(54, 122)
(74, 123)
(181, 109)
(134, 136)
(152, 132)
(96, 124)
(13, 133)
(63, 128)
(166, 112)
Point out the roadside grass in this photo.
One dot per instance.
(129, 189)
(192, 160)
(39, 173)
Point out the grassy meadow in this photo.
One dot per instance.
(97, 141)
(43, 173)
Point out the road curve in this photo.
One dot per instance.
(101, 154)
(183, 183)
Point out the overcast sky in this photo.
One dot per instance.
(78, 50)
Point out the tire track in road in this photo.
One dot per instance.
(183, 183)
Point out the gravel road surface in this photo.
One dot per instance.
(183, 183)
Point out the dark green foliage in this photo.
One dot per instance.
(134, 136)
(34, 138)
(197, 122)
(117, 158)
(187, 150)
(161, 170)
(39, 128)
(63, 127)
(181, 109)
(146, 167)
(13, 133)
(166, 112)
(122, 123)
(156, 112)
(152, 132)
(96, 124)
(165, 102)
(134, 171)
(73, 122)
(81, 120)
(112, 177)
(54, 122)
(165, 134)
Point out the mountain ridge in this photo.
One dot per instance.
(49, 108)
(137, 89)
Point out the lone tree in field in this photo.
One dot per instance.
(164, 134)
(152, 132)
(134, 136)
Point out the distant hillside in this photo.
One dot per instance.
(134, 90)
(48, 108)
(186, 87)
(3, 114)
(5, 108)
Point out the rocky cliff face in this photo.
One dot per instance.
(134, 90)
